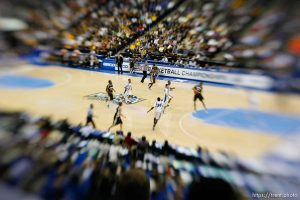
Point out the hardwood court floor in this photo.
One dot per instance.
(66, 100)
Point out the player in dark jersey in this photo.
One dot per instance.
(153, 75)
(109, 90)
(118, 117)
(198, 95)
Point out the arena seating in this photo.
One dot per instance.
(264, 44)
(233, 33)
(115, 24)
(45, 20)
(56, 160)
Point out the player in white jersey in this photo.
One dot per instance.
(167, 97)
(128, 91)
(170, 89)
(159, 109)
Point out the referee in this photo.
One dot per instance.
(90, 115)
(119, 62)
(144, 68)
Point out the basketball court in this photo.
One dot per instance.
(232, 123)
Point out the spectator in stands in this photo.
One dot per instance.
(38, 158)
(118, 138)
(114, 152)
(167, 149)
(142, 148)
(199, 150)
(129, 141)
(153, 149)
(64, 55)
(75, 57)
(93, 58)
(105, 179)
(133, 185)
(210, 188)
(165, 59)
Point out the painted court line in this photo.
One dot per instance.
(183, 130)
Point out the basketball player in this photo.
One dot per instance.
(109, 90)
(128, 91)
(159, 107)
(168, 97)
(171, 88)
(90, 115)
(153, 74)
(198, 95)
(118, 117)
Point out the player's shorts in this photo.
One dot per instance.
(128, 93)
(166, 98)
(198, 96)
(89, 119)
(118, 120)
(157, 115)
(152, 79)
(111, 96)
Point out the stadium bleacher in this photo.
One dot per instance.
(44, 20)
(115, 24)
(222, 33)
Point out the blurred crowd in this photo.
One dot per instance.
(226, 33)
(45, 20)
(55, 160)
(114, 24)
(231, 32)
(271, 40)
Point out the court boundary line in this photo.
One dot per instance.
(185, 131)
